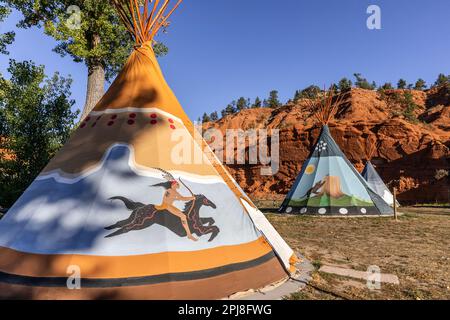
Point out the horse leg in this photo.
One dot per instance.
(123, 230)
(214, 232)
(119, 224)
(209, 221)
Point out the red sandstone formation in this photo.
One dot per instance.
(413, 148)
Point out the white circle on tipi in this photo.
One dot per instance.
(289, 210)
(363, 210)
(322, 211)
(343, 211)
(303, 210)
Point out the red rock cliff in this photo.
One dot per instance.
(413, 153)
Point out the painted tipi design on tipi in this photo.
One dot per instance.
(122, 208)
(374, 180)
(328, 183)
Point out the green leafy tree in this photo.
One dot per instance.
(273, 101)
(89, 31)
(257, 103)
(401, 84)
(420, 85)
(362, 82)
(35, 120)
(345, 85)
(5, 38)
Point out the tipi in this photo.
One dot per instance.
(374, 180)
(328, 183)
(118, 213)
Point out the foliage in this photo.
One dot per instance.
(410, 106)
(214, 116)
(273, 101)
(35, 120)
(401, 84)
(387, 86)
(94, 35)
(8, 37)
(242, 104)
(420, 84)
(345, 85)
(257, 103)
(442, 80)
(311, 92)
(206, 118)
(363, 83)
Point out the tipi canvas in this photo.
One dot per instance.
(328, 183)
(376, 183)
(117, 215)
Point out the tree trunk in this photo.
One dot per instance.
(96, 81)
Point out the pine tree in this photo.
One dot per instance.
(206, 118)
(363, 83)
(311, 92)
(387, 86)
(272, 101)
(401, 84)
(441, 80)
(242, 104)
(257, 103)
(214, 116)
(345, 85)
(297, 96)
(420, 85)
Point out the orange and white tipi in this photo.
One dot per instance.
(119, 214)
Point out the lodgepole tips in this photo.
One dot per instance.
(326, 106)
(144, 18)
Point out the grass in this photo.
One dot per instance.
(416, 249)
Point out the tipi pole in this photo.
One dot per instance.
(395, 204)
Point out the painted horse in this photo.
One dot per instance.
(144, 216)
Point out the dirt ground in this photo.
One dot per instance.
(416, 248)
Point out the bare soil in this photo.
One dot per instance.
(416, 248)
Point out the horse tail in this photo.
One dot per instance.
(131, 205)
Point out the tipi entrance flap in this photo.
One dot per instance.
(280, 246)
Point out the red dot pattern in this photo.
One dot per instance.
(131, 120)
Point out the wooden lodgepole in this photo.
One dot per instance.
(395, 204)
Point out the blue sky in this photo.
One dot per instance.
(221, 50)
